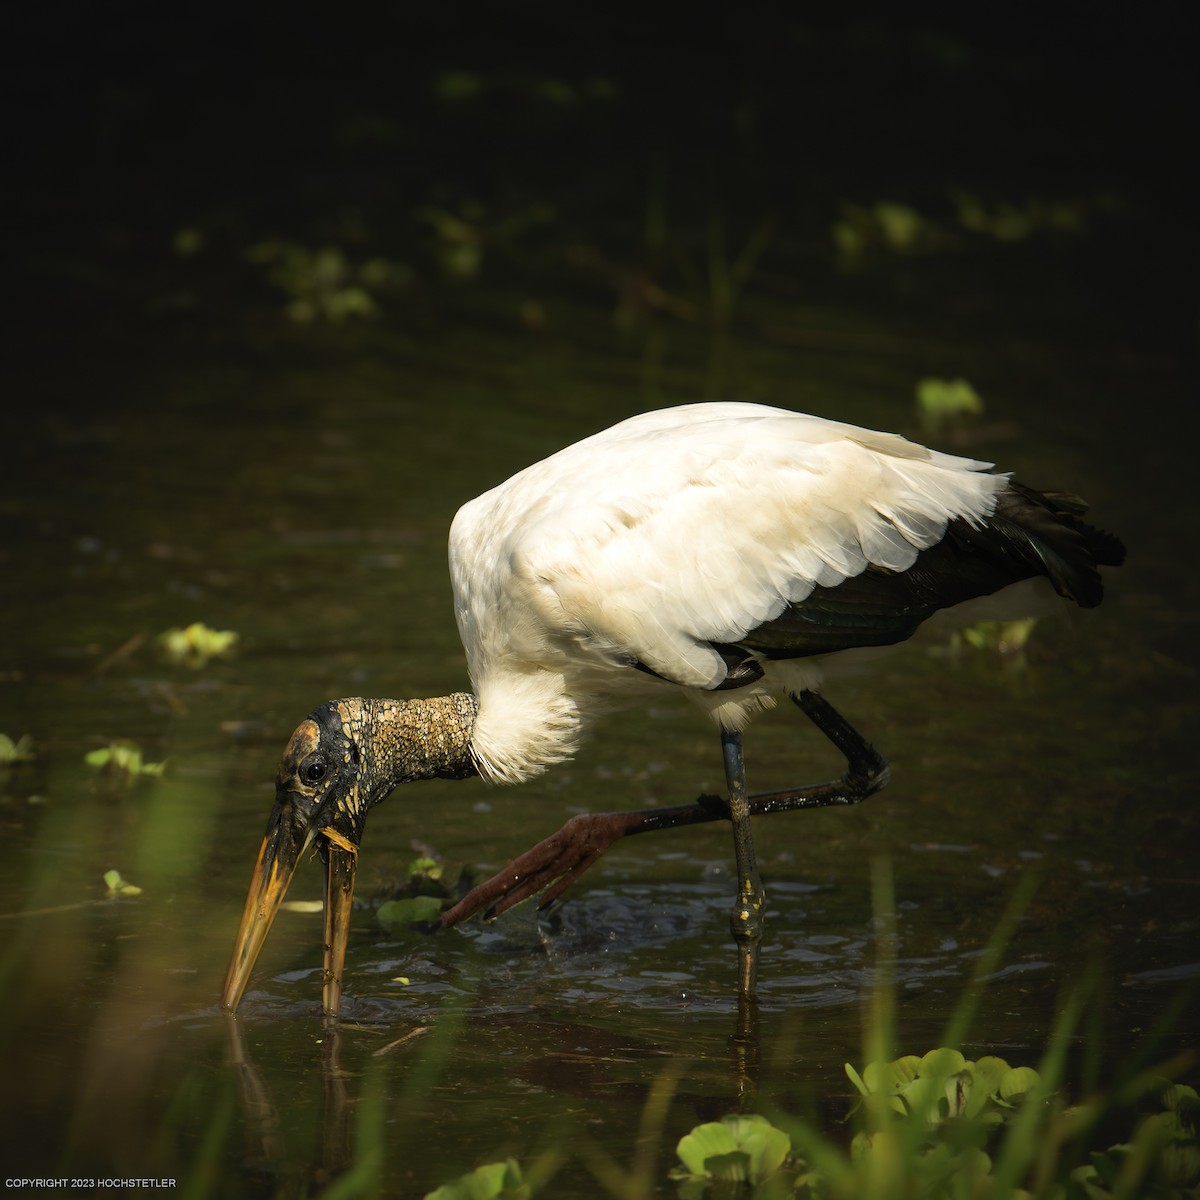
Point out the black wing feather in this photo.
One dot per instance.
(1029, 534)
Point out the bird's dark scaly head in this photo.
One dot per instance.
(322, 793)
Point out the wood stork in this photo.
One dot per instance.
(730, 551)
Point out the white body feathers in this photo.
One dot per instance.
(670, 531)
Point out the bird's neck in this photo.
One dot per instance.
(420, 739)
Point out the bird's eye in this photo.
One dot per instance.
(313, 769)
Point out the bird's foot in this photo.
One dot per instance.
(553, 864)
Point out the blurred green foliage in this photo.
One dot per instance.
(20, 751)
(118, 886)
(122, 759)
(734, 1150)
(324, 284)
(941, 401)
(493, 1181)
(196, 644)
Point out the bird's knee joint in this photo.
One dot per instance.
(748, 918)
(866, 778)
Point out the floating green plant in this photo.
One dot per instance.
(124, 759)
(325, 284)
(1163, 1151)
(943, 1085)
(940, 1126)
(118, 886)
(194, 645)
(886, 225)
(15, 752)
(937, 1126)
(465, 233)
(494, 1181)
(734, 1150)
(942, 400)
(999, 637)
(424, 870)
(397, 916)
(1009, 222)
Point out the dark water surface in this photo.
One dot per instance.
(182, 452)
(307, 509)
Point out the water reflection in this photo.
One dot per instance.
(264, 1146)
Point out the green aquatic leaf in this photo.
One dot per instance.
(194, 645)
(941, 1062)
(122, 758)
(900, 225)
(987, 1073)
(891, 1077)
(15, 752)
(349, 302)
(856, 1079)
(398, 916)
(1185, 1103)
(939, 400)
(1017, 1082)
(493, 1181)
(425, 868)
(118, 887)
(924, 1098)
(1003, 637)
(1180, 1163)
(735, 1149)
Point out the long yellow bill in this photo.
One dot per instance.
(268, 886)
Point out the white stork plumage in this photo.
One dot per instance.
(730, 551)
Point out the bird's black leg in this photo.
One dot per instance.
(554, 864)
(866, 769)
(746, 920)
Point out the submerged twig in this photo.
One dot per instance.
(408, 1037)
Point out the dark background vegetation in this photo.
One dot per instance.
(342, 124)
